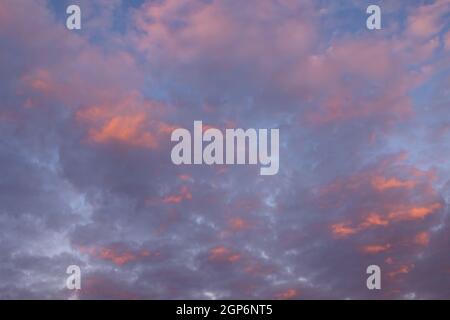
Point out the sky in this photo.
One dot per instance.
(86, 176)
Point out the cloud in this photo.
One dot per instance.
(428, 20)
(86, 117)
(116, 254)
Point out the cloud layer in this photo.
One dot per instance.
(86, 178)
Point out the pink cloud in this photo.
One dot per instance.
(130, 121)
(189, 32)
(223, 254)
(114, 254)
(184, 194)
(427, 20)
(388, 198)
(375, 248)
(287, 294)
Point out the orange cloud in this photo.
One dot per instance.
(184, 177)
(341, 230)
(119, 259)
(288, 294)
(41, 80)
(113, 254)
(127, 129)
(44, 82)
(414, 199)
(184, 194)
(126, 121)
(422, 238)
(404, 269)
(374, 219)
(376, 248)
(223, 254)
(238, 224)
(382, 183)
(404, 213)
(415, 212)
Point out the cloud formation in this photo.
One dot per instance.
(86, 117)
